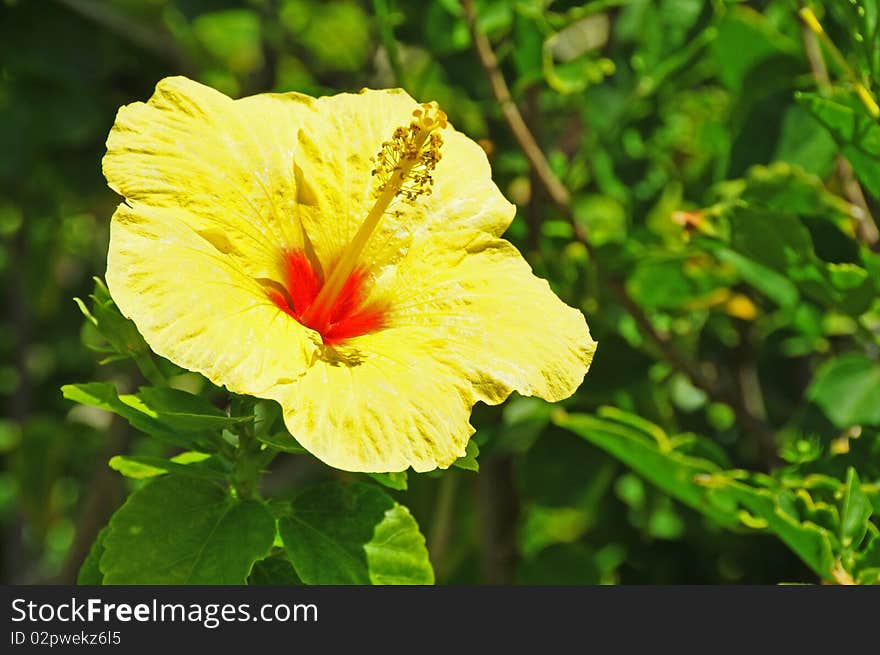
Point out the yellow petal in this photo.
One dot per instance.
(467, 321)
(337, 146)
(228, 163)
(211, 207)
(479, 307)
(383, 407)
(217, 189)
(196, 307)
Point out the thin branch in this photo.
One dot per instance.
(157, 42)
(442, 525)
(386, 33)
(866, 226)
(562, 200)
(558, 193)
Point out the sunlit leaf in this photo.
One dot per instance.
(847, 388)
(810, 542)
(168, 414)
(181, 530)
(653, 458)
(354, 534)
(857, 134)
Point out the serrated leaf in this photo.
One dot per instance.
(847, 388)
(120, 333)
(181, 530)
(89, 571)
(168, 414)
(810, 542)
(657, 461)
(354, 534)
(282, 441)
(185, 410)
(396, 481)
(469, 461)
(140, 467)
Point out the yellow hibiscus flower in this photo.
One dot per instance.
(340, 255)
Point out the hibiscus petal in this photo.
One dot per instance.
(211, 209)
(229, 163)
(467, 321)
(474, 303)
(378, 409)
(338, 144)
(196, 307)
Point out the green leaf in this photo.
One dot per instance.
(776, 240)
(89, 572)
(469, 461)
(544, 526)
(663, 284)
(275, 570)
(809, 541)
(336, 34)
(354, 534)
(121, 334)
(396, 481)
(745, 40)
(232, 36)
(140, 467)
(855, 512)
(282, 441)
(651, 455)
(867, 562)
(857, 134)
(172, 415)
(119, 331)
(603, 217)
(804, 143)
(847, 388)
(182, 530)
(774, 252)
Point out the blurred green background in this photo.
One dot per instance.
(715, 199)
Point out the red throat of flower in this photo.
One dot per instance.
(334, 306)
(345, 317)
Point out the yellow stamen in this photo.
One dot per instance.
(403, 168)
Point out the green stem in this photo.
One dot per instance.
(386, 33)
(250, 457)
(148, 369)
(246, 456)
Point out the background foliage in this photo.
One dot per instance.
(722, 160)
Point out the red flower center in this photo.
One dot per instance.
(342, 317)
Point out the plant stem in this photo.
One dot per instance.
(155, 41)
(386, 33)
(866, 226)
(250, 457)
